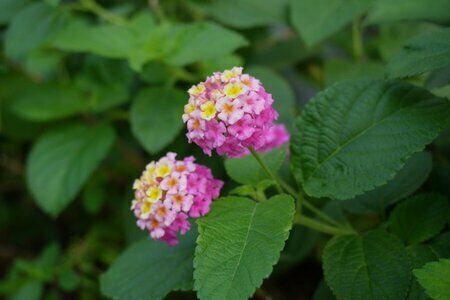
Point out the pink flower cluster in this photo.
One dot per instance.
(168, 192)
(231, 112)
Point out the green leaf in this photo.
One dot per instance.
(150, 269)
(49, 102)
(61, 162)
(317, 20)
(30, 290)
(425, 53)
(112, 41)
(406, 181)
(9, 8)
(419, 218)
(156, 117)
(391, 11)
(282, 93)
(202, 41)
(323, 292)
(353, 128)
(372, 266)
(32, 27)
(239, 242)
(247, 13)
(435, 278)
(246, 170)
(338, 70)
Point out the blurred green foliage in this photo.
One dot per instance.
(92, 91)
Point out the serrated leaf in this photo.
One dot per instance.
(31, 27)
(434, 277)
(420, 255)
(316, 20)
(425, 53)
(246, 170)
(156, 117)
(49, 102)
(390, 11)
(419, 218)
(61, 162)
(246, 13)
(356, 135)
(406, 181)
(239, 242)
(372, 266)
(150, 269)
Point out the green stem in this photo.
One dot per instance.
(91, 5)
(358, 50)
(318, 226)
(265, 168)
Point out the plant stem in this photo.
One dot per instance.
(358, 50)
(265, 168)
(318, 226)
(91, 5)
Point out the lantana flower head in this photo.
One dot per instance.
(169, 192)
(231, 112)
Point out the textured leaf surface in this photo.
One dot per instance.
(49, 102)
(61, 161)
(156, 117)
(150, 269)
(405, 182)
(8, 8)
(246, 170)
(316, 20)
(390, 11)
(425, 53)
(435, 278)
(356, 135)
(239, 242)
(372, 266)
(419, 218)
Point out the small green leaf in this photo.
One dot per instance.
(156, 117)
(435, 278)
(239, 242)
(425, 53)
(61, 162)
(150, 269)
(31, 27)
(390, 11)
(419, 218)
(356, 127)
(406, 181)
(30, 290)
(420, 255)
(372, 266)
(246, 170)
(316, 20)
(49, 102)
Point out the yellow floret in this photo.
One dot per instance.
(233, 90)
(145, 209)
(154, 194)
(196, 89)
(208, 110)
(188, 108)
(163, 170)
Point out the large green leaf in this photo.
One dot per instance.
(246, 13)
(372, 266)
(9, 8)
(405, 10)
(419, 218)
(239, 242)
(32, 27)
(356, 135)
(316, 20)
(435, 278)
(150, 269)
(405, 182)
(425, 53)
(246, 170)
(49, 102)
(156, 117)
(61, 161)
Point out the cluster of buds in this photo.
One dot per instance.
(169, 192)
(231, 112)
